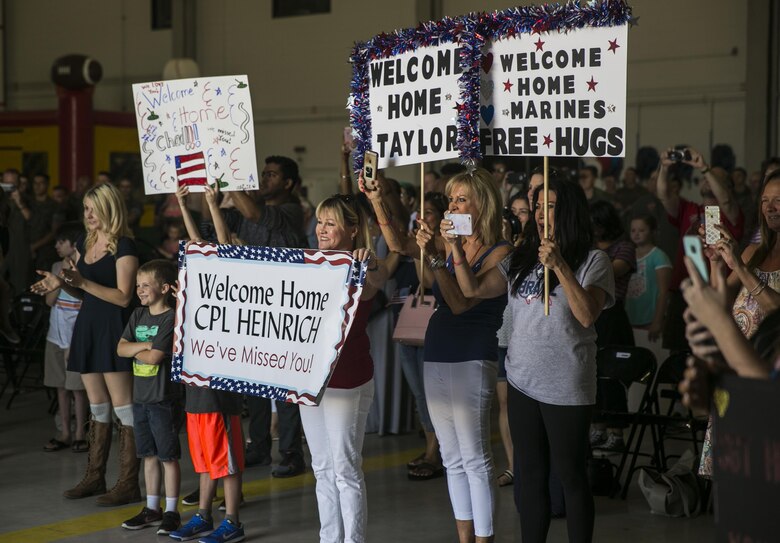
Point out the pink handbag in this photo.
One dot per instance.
(413, 319)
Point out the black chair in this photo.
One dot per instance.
(626, 367)
(664, 385)
(30, 317)
(691, 428)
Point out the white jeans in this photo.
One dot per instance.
(459, 397)
(334, 432)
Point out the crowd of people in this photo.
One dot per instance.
(609, 239)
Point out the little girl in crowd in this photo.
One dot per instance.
(648, 287)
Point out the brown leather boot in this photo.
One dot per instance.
(94, 481)
(126, 490)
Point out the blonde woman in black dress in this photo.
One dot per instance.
(103, 276)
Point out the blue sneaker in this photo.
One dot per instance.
(227, 531)
(196, 527)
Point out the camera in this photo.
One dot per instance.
(514, 223)
(679, 155)
(516, 178)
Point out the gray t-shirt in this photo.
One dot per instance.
(553, 359)
(279, 226)
(152, 382)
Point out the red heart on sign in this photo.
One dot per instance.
(487, 62)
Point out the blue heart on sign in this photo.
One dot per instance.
(487, 113)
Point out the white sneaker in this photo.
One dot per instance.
(614, 443)
(597, 438)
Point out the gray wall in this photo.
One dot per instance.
(687, 65)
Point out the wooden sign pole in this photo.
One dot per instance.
(421, 217)
(546, 235)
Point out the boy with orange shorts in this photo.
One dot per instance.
(216, 443)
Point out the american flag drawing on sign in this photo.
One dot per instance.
(191, 169)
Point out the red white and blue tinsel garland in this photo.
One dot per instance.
(470, 31)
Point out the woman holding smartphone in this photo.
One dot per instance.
(754, 278)
(461, 351)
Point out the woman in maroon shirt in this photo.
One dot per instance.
(335, 428)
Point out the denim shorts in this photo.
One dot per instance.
(156, 427)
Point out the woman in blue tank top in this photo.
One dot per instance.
(461, 353)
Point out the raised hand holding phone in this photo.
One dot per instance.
(695, 251)
(370, 164)
(711, 219)
(461, 224)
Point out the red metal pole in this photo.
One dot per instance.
(77, 127)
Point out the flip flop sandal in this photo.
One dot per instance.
(425, 472)
(508, 478)
(55, 445)
(80, 446)
(416, 461)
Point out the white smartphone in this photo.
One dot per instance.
(461, 224)
(370, 163)
(695, 251)
(711, 218)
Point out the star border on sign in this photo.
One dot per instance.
(508, 85)
(547, 141)
(379, 108)
(613, 46)
(592, 84)
(505, 112)
(539, 44)
(448, 97)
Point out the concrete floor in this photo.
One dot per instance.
(34, 510)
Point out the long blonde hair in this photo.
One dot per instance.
(348, 214)
(768, 236)
(483, 189)
(110, 210)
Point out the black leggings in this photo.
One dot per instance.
(544, 433)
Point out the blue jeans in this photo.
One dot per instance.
(156, 427)
(412, 366)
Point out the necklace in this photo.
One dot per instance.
(95, 252)
(474, 256)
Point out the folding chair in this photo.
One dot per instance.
(627, 366)
(668, 377)
(30, 316)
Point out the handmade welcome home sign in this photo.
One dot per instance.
(408, 100)
(196, 131)
(746, 460)
(554, 85)
(517, 51)
(413, 99)
(263, 321)
(556, 93)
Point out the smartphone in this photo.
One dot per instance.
(349, 139)
(695, 251)
(370, 162)
(711, 218)
(461, 223)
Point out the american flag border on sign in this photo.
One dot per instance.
(311, 257)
